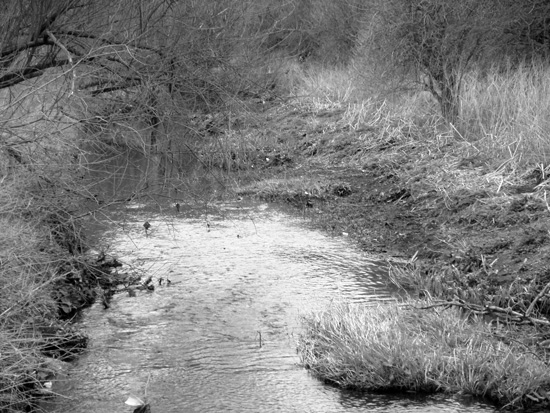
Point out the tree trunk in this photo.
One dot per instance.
(449, 102)
(445, 89)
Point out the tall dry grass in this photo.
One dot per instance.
(507, 111)
(328, 87)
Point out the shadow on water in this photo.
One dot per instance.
(221, 336)
(118, 175)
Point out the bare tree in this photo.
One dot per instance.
(439, 39)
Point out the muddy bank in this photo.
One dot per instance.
(403, 194)
(476, 223)
(495, 236)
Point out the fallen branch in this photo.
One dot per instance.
(537, 298)
(504, 314)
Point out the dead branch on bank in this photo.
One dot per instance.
(506, 315)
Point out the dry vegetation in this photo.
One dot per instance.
(417, 347)
(466, 201)
(413, 129)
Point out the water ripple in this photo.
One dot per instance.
(222, 336)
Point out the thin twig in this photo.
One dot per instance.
(538, 297)
(69, 58)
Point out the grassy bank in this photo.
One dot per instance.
(460, 210)
(418, 347)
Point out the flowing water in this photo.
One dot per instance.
(221, 335)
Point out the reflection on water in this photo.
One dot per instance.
(222, 336)
(117, 175)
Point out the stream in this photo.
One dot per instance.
(220, 335)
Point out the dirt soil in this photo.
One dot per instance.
(404, 195)
(466, 230)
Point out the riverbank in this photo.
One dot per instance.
(409, 195)
(47, 275)
(456, 223)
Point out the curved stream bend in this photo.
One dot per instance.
(221, 337)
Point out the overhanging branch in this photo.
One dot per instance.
(31, 72)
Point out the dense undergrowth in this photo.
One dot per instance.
(46, 277)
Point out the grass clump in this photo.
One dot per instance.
(393, 347)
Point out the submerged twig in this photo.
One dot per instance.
(260, 335)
